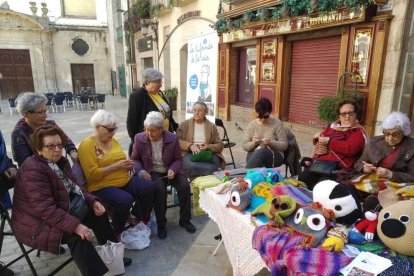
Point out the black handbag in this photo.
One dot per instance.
(78, 206)
(323, 167)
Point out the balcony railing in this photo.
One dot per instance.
(180, 3)
(161, 7)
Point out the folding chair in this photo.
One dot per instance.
(12, 105)
(59, 102)
(100, 100)
(226, 141)
(69, 99)
(5, 217)
(84, 102)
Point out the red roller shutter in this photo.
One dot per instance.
(315, 64)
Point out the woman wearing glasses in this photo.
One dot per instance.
(32, 106)
(107, 172)
(148, 98)
(391, 155)
(341, 142)
(44, 192)
(265, 138)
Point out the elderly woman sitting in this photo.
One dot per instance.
(265, 138)
(32, 106)
(156, 154)
(44, 191)
(107, 172)
(390, 156)
(198, 134)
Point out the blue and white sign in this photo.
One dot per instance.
(202, 73)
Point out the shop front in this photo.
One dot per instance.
(297, 60)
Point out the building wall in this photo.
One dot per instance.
(98, 55)
(177, 43)
(397, 85)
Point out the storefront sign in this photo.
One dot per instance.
(388, 6)
(297, 24)
(187, 15)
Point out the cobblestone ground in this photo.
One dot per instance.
(163, 256)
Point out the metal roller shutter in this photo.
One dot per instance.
(315, 64)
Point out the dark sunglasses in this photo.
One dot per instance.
(110, 129)
(37, 112)
(263, 116)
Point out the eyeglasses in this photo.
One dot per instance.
(396, 134)
(157, 81)
(53, 146)
(110, 129)
(263, 116)
(349, 113)
(40, 112)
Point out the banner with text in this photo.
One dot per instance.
(202, 73)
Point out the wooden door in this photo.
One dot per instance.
(82, 76)
(16, 69)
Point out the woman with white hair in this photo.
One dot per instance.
(107, 169)
(32, 106)
(157, 156)
(148, 98)
(390, 155)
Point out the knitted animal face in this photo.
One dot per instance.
(240, 197)
(338, 198)
(276, 208)
(395, 227)
(309, 222)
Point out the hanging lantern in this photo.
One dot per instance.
(284, 10)
(313, 4)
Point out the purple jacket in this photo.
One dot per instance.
(171, 152)
(41, 204)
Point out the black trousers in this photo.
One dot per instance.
(311, 179)
(180, 183)
(5, 184)
(264, 157)
(83, 252)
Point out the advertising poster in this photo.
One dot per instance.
(202, 73)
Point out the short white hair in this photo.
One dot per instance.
(151, 74)
(154, 119)
(397, 119)
(103, 118)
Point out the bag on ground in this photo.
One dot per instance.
(137, 237)
(112, 254)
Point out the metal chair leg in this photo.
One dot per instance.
(232, 158)
(217, 247)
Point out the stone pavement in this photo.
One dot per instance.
(181, 253)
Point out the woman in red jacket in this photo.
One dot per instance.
(44, 192)
(341, 142)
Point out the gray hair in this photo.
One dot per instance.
(103, 118)
(151, 74)
(29, 101)
(154, 119)
(203, 104)
(397, 119)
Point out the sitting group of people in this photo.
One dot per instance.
(120, 187)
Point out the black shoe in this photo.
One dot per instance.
(5, 271)
(188, 226)
(162, 233)
(218, 237)
(127, 261)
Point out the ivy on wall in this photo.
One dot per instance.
(288, 8)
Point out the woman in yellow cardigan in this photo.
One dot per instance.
(107, 172)
(199, 134)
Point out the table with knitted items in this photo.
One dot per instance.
(236, 229)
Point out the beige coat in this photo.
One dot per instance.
(185, 133)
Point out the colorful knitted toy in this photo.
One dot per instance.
(240, 196)
(276, 208)
(337, 237)
(367, 225)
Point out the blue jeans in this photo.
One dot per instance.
(121, 199)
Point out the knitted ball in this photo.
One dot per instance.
(396, 227)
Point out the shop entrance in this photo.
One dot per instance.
(314, 67)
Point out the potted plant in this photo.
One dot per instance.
(171, 94)
(327, 105)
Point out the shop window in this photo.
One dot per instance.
(362, 54)
(247, 75)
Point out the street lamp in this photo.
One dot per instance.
(147, 23)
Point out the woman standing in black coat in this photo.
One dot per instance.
(148, 98)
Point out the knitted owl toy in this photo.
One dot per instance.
(276, 208)
(395, 226)
(240, 196)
